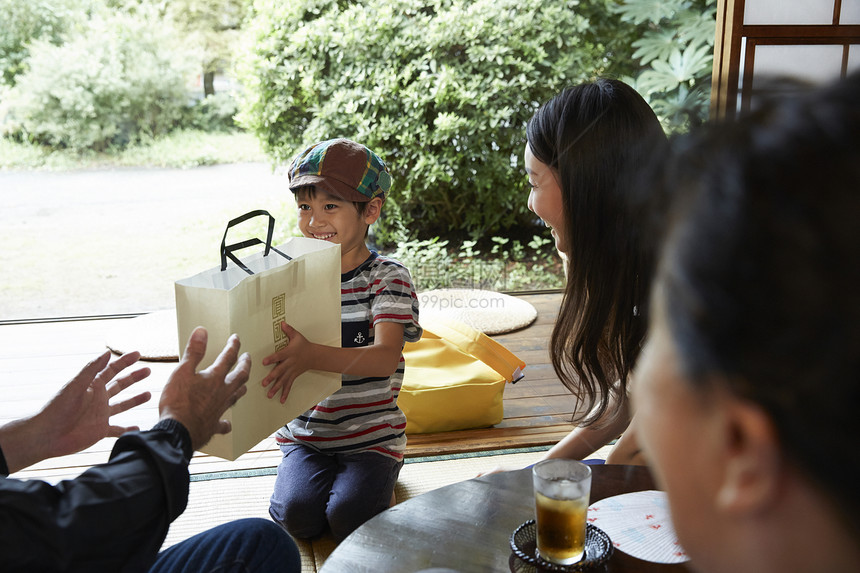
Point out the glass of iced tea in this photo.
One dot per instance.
(562, 489)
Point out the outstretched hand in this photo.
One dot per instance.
(290, 362)
(198, 399)
(78, 416)
(80, 412)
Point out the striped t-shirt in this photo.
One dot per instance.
(363, 415)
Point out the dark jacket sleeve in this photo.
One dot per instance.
(113, 517)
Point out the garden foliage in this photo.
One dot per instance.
(23, 21)
(212, 25)
(119, 79)
(675, 47)
(99, 74)
(441, 89)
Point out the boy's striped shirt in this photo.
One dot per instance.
(363, 415)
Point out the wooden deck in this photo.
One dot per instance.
(37, 358)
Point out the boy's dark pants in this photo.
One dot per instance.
(315, 490)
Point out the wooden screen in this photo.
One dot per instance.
(808, 40)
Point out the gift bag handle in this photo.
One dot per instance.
(228, 250)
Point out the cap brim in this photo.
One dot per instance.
(332, 186)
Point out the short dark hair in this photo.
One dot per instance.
(760, 273)
(596, 135)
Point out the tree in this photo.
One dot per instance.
(215, 26)
(211, 28)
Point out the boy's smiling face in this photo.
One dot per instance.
(326, 217)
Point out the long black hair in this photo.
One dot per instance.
(596, 136)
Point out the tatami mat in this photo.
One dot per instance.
(215, 501)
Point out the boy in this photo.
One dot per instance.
(342, 458)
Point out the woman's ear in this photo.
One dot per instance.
(753, 468)
(373, 210)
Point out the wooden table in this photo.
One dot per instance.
(467, 526)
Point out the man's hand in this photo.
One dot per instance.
(198, 399)
(77, 417)
(80, 413)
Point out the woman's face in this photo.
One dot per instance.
(545, 197)
(676, 427)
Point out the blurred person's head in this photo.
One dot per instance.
(747, 394)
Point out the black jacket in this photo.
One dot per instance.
(113, 517)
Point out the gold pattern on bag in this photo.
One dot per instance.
(278, 315)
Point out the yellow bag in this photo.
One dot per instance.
(455, 378)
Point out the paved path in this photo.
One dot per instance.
(113, 241)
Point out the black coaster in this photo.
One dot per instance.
(598, 550)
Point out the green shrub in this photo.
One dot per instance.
(24, 21)
(441, 89)
(119, 79)
(214, 113)
(509, 266)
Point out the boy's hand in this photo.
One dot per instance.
(290, 363)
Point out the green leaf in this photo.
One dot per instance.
(681, 67)
(696, 27)
(641, 11)
(656, 46)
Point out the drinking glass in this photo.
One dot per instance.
(562, 489)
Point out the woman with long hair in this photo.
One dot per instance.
(584, 148)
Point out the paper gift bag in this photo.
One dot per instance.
(298, 282)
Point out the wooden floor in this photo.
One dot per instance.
(36, 359)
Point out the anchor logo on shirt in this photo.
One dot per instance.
(359, 338)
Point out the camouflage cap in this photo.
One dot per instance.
(342, 167)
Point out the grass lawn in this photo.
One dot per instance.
(181, 149)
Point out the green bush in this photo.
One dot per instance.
(24, 21)
(119, 79)
(510, 265)
(441, 89)
(214, 113)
